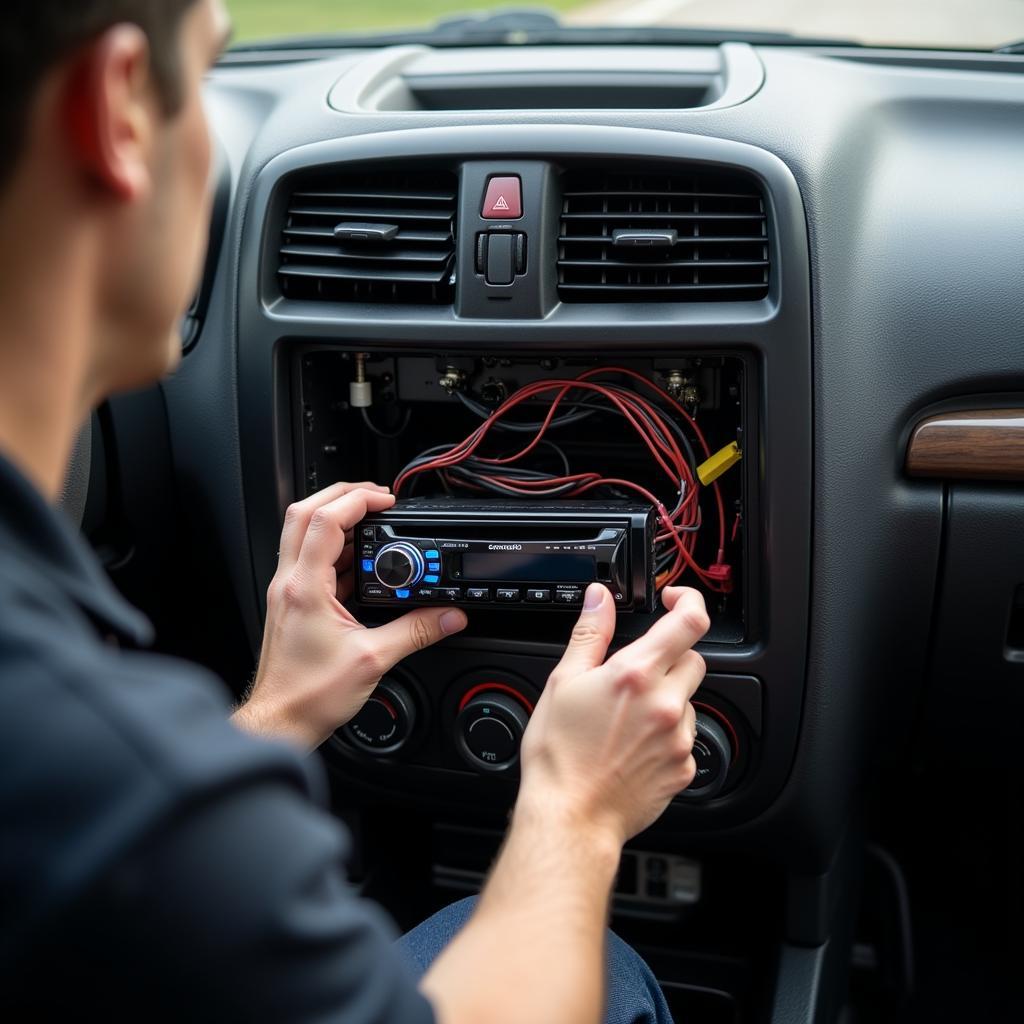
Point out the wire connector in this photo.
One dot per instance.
(725, 458)
(360, 390)
(721, 574)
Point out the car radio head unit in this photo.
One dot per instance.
(506, 554)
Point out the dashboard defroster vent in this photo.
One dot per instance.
(662, 236)
(378, 236)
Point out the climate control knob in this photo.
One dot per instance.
(489, 730)
(398, 565)
(385, 721)
(713, 752)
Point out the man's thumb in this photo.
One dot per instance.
(592, 633)
(415, 631)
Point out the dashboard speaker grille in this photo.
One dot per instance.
(377, 236)
(664, 236)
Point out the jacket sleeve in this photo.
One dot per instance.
(238, 910)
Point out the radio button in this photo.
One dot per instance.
(568, 595)
(432, 553)
(478, 594)
(367, 532)
(447, 593)
(399, 566)
(538, 595)
(431, 579)
(508, 594)
(367, 565)
(424, 593)
(375, 590)
(434, 566)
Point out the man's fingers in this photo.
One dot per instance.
(690, 724)
(413, 632)
(343, 570)
(325, 537)
(674, 633)
(591, 635)
(687, 674)
(345, 561)
(296, 520)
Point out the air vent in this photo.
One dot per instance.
(377, 237)
(665, 237)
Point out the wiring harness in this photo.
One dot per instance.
(657, 422)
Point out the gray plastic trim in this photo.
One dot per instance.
(379, 83)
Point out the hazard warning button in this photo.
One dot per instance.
(503, 199)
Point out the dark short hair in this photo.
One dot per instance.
(36, 34)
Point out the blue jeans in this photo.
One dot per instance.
(633, 995)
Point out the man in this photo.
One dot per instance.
(157, 860)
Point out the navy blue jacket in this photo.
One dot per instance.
(155, 862)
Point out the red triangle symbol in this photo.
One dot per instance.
(501, 203)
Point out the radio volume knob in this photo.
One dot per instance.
(398, 565)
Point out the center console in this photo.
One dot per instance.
(393, 299)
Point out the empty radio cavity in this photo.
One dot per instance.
(523, 555)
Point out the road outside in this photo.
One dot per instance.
(983, 24)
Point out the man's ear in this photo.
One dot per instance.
(110, 109)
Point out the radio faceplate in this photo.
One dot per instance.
(508, 555)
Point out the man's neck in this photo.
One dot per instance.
(44, 362)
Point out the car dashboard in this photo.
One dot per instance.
(842, 273)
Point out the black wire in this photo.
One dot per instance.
(389, 435)
(524, 428)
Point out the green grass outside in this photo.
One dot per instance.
(255, 19)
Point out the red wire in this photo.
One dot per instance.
(661, 443)
(693, 426)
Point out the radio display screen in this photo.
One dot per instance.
(521, 567)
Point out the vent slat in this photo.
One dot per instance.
(720, 252)
(659, 218)
(658, 288)
(661, 264)
(368, 213)
(416, 265)
(410, 237)
(658, 193)
(363, 273)
(683, 239)
(446, 198)
(367, 255)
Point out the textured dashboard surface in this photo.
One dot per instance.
(910, 181)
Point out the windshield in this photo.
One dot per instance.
(956, 24)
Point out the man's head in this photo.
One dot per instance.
(104, 166)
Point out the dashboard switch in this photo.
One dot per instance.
(489, 729)
(519, 252)
(500, 269)
(503, 199)
(385, 721)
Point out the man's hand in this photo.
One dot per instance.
(319, 665)
(607, 748)
(611, 740)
